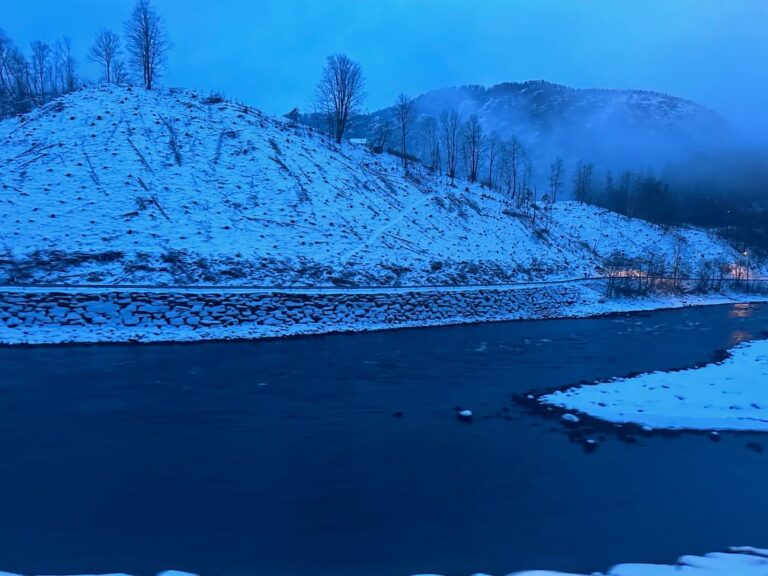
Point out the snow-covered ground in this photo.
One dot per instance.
(730, 395)
(738, 561)
(164, 573)
(115, 185)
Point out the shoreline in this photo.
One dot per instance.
(90, 315)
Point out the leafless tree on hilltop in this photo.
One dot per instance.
(340, 92)
(147, 42)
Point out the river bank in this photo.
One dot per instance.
(92, 315)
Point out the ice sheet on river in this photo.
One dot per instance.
(728, 395)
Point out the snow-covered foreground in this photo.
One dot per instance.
(730, 395)
(164, 573)
(739, 561)
(113, 185)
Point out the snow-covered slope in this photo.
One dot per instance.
(121, 185)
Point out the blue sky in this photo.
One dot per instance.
(269, 53)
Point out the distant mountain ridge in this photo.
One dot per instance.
(611, 128)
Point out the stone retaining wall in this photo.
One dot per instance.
(184, 315)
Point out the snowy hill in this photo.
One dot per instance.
(120, 185)
(611, 128)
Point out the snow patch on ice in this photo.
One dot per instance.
(730, 395)
(739, 561)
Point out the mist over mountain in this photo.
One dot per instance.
(615, 129)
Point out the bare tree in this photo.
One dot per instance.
(327, 107)
(450, 125)
(66, 65)
(555, 178)
(494, 144)
(404, 113)
(577, 181)
(8, 93)
(582, 182)
(627, 183)
(20, 78)
(6, 48)
(41, 63)
(147, 42)
(516, 159)
(320, 113)
(528, 191)
(382, 135)
(294, 116)
(472, 145)
(609, 188)
(431, 142)
(105, 51)
(587, 182)
(501, 174)
(119, 72)
(340, 92)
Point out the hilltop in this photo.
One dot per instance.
(121, 185)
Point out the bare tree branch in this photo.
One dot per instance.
(340, 92)
(105, 51)
(404, 113)
(450, 124)
(147, 42)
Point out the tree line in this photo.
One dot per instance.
(32, 78)
(707, 191)
(447, 144)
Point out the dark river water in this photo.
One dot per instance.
(284, 458)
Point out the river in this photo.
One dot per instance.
(342, 454)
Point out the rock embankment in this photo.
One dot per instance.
(38, 316)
